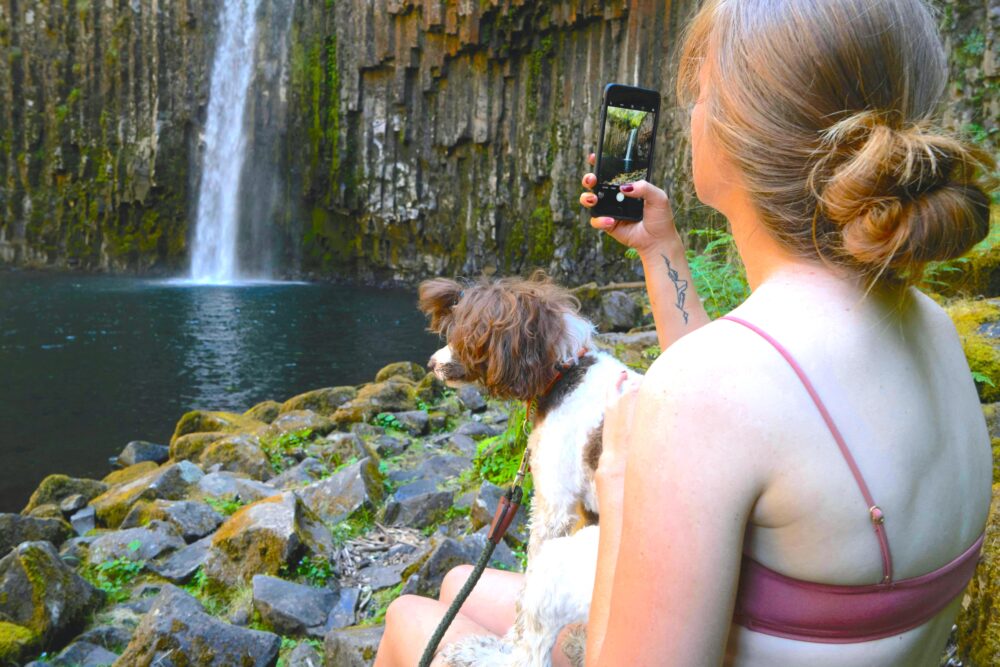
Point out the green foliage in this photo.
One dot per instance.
(497, 458)
(355, 525)
(315, 571)
(718, 276)
(982, 378)
(289, 644)
(226, 505)
(974, 43)
(379, 605)
(278, 449)
(114, 576)
(388, 421)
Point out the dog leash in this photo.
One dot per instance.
(506, 509)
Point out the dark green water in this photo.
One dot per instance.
(88, 363)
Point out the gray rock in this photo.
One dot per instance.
(84, 520)
(417, 504)
(178, 632)
(231, 485)
(437, 421)
(74, 550)
(484, 507)
(239, 453)
(145, 543)
(304, 655)
(73, 503)
(265, 411)
(138, 451)
(15, 529)
(112, 637)
(262, 537)
(407, 370)
(471, 398)
(298, 421)
(175, 480)
(323, 402)
(80, 654)
(338, 448)
(292, 609)
(340, 495)
(619, 311)
(450, 552)
(352, 647)
(389, 445)
(463, 443)
(364, 429)
(56, 487)
(344, 612)
(192, 519)
(383, 576)
(181, 565)
(42, 593)
(413, 422)
(477, 430)
(437, 468)
(306, 471)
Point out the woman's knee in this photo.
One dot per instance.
(401, 609)
(453, 582)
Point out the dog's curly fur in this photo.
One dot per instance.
(512, 336)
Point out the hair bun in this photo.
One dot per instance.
(900, 196)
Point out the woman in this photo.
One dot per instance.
(764, 509)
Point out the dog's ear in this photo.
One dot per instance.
(436, 298)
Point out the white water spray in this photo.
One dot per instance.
(214, 256)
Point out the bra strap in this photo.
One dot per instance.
(877, 517)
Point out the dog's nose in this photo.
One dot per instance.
(431, 364)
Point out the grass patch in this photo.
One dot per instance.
(314, 571)
(278, 450)
(115, 576)
(226, 505)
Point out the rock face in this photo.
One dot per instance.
(177, 631)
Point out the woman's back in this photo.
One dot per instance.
(887, 369)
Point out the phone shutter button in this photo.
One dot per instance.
(600, 194)
(620, 197)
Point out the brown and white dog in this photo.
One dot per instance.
(524, 339)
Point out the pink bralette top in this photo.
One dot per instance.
(774, 604)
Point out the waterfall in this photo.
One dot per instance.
(628, 149)
(214, 255)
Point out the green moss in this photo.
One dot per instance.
(983, 356)
(16, 643)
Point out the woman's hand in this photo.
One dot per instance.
(657, 225)
(619, 411)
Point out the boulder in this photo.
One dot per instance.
(292, 609)
(143, 543)
(463, 443)
(170, 481)
(237, 453)
(71, 504)
(477, 430)
(978, 623)
(42, 594)
(304, 655)
(200, 421)
(437, 469)
(16, 643)
(389, 445)
(430, 389)
(55, 488)
(84, 521)
(180, 566)
(47, 511)
(338, 448)
(417, 504)
(484, 507)
(190, 447)
(401, 369)
(112, 637)
(125, 475)
(449, 553)
(263, 536)
(471, 398)
(321, 401)
(177, 631)
(352, 647)
(79, 654)
(392, 395)
(619, 311)
(383, 576)
(15, 529)
(265, 411)
(138, 451)
(305, 472)
(341, 494)
(298, 421)
(232, 485)
(344, 612)
(414, 422)
(192, 519)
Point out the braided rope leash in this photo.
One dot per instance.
(506, 510)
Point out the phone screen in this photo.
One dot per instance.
(627, 147)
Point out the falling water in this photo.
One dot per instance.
(214, 256)
(628, 149)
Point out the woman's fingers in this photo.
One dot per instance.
(604, 223)
(592, 159)
(643, 189)
(589, 180)
(588, 199)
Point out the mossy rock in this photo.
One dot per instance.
(978, 622)
(324, 401)
(126, 475)
(401, 369)
(238, 453)
(111, 507)
(980, 350)
(393, 395)
(17, 643)
(430, 389)
(265, 411)
(46, 511)
(200, 421)
(189, 447)
(56, 487)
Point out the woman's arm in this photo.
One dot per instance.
(676, 492)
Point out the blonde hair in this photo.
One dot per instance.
(827, 108)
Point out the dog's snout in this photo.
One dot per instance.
(432, 364)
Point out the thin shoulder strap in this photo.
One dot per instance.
(877, 517)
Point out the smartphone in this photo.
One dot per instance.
(629, 116)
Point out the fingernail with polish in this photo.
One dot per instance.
(628, 187)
